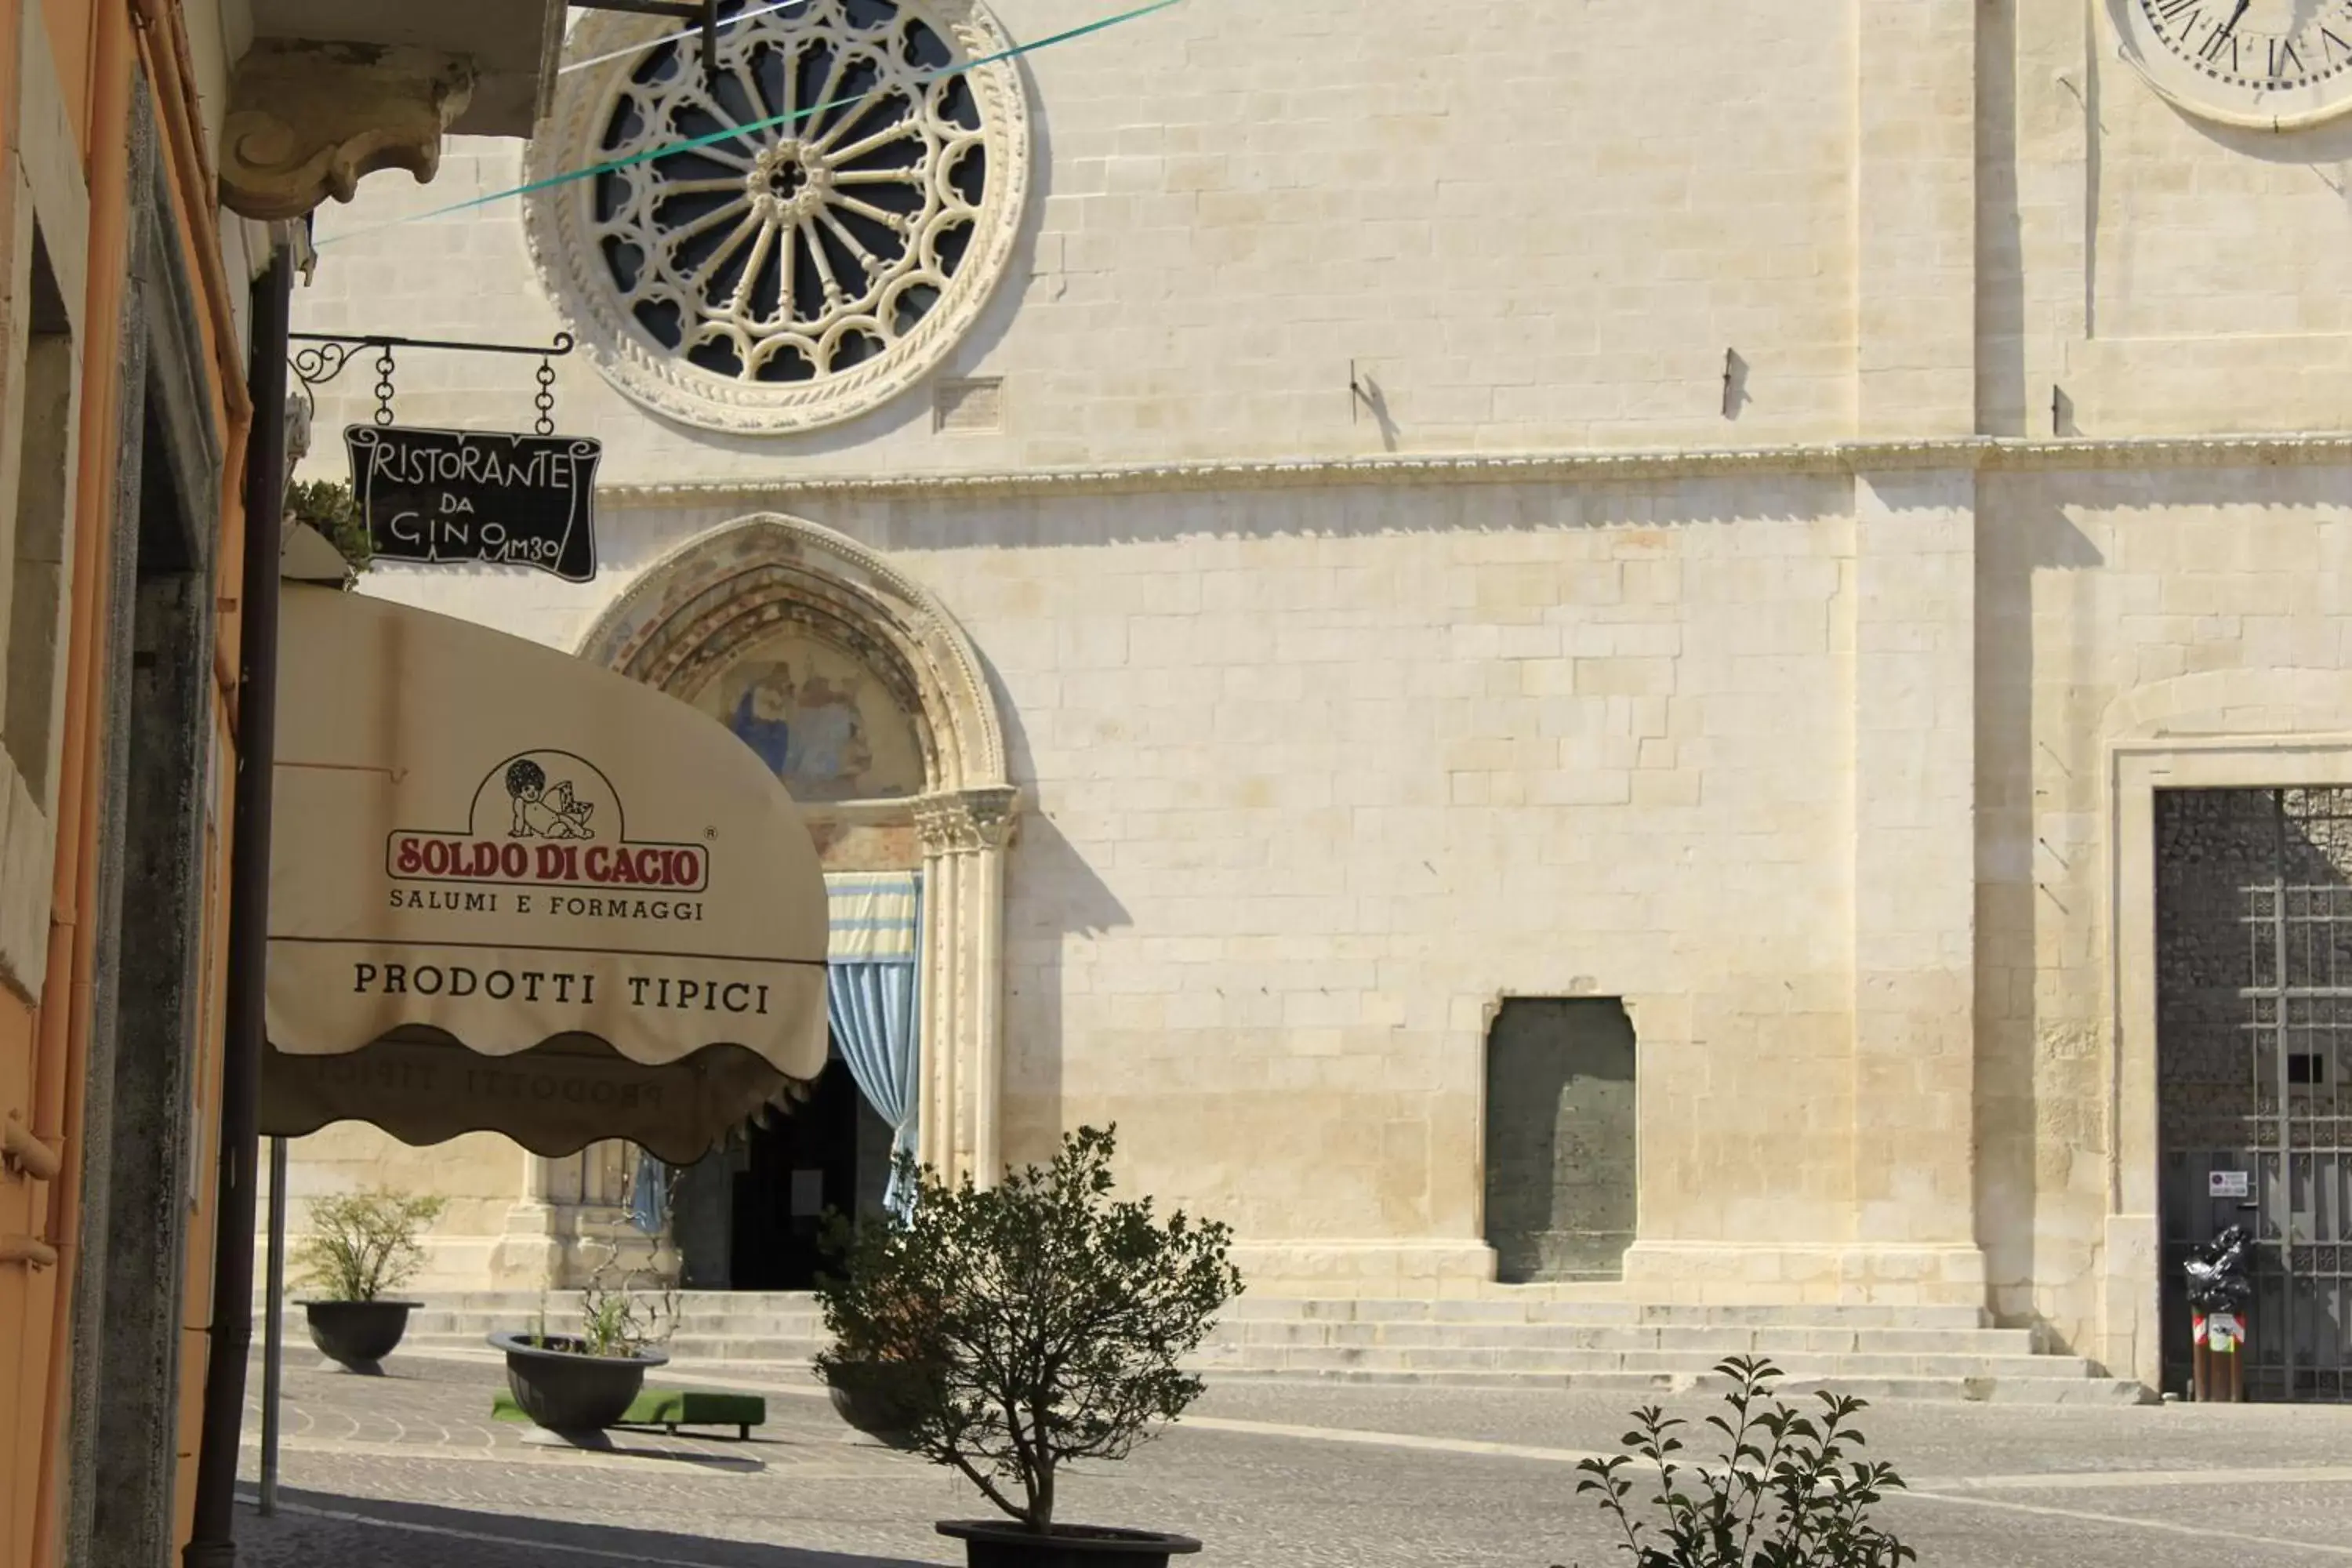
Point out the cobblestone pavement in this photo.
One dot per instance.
(409, 1469)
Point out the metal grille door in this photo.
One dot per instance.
(2253, 1017)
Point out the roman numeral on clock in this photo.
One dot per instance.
(2212, 50)
(2285, 61)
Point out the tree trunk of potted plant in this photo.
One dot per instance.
(1004, 1333)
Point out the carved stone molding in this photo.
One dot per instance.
(308, 119)
(1828, 459)
(702, 594)
(968, 823)
(710, 600)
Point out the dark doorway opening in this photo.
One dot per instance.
(2253, 917)
(751, 1217)
(1560, 1136)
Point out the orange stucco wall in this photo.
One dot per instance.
(96, 50)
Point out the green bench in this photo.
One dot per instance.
(669, 1409)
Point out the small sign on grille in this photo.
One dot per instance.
(2228, 1183)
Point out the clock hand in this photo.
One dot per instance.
(2231, 26)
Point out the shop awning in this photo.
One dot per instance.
(513, 893)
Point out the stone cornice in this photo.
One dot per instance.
(1827, 459)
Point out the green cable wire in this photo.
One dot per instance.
(738, 133)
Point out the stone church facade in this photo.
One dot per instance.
(1580, 653)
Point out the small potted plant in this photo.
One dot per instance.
(586, 1382)
(1786, 1491)
(879, 1369)
(1020, 1329)
(362, 1245)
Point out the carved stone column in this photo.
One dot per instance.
(965, 836)
(529, 1256)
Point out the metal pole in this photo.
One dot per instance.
(273, 1329)
(213, 1537)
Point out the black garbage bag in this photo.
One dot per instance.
(2217, 1280)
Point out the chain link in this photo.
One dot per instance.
(384, 386)
(545, 401)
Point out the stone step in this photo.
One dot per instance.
(1514, 1364)
(1538, 1309)
(1714, 1341)
(2044, 1380)
(1996, 1390)
(1549, 1359)
(792, 1324)
(516, 1306)
(1517, 1341)
(1717, 1341)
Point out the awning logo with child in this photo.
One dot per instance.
(546, 819)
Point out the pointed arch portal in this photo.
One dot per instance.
(909, 774)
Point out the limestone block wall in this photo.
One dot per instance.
(2148, 271)
(1525, 229)
(479, 1175)
(1316, 776)
(510, 1221)
(2123, 611)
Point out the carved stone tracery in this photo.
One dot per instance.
(836, 205)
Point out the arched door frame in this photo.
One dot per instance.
(694, 610)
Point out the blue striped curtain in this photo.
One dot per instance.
(871, 995)
(648, 1194)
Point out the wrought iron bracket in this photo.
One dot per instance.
(702, 12)
(314, 367)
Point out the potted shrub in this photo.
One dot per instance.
(1785, 1493)
(880, 1368)
(362, 1245)
(1026, 1328)
(586, 1382)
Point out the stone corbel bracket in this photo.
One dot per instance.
(307, 120)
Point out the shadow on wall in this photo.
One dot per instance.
(321, 1527)
(2020, 543)
(1054, 905)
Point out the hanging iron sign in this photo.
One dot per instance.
(490, 498)
(477, 498)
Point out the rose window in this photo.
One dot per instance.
(832, 219)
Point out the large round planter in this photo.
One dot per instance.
(993, 1543)
(565, 1389)
(357, 1335)
(881, 1399)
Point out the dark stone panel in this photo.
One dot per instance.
(1560, 1138)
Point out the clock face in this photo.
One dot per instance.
(2272, 64)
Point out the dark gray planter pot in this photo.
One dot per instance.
(998, 1543)
(357, 1335)
(881, 1399)
(565, 1389)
